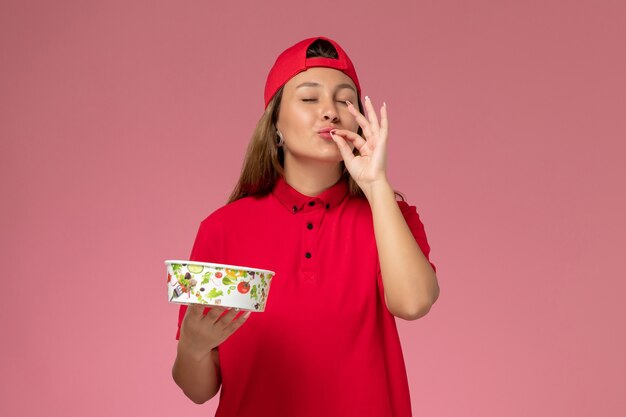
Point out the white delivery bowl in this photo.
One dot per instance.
(205, 283)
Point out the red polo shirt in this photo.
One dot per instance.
(326, 345)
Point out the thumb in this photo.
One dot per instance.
(344, 148)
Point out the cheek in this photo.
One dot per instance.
(354, 125)
(294, 119)
(351, 124)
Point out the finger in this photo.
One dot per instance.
(226, 318)
(214, 313)
(193, 310)
(344, 148)
(360, 119)
(384, 121)
(371, 114)
(237, 323)
(351, 136)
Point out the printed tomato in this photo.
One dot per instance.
(243, 287)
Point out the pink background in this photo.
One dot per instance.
(123, 124)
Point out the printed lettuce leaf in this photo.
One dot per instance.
(253, 292)
(214, 293)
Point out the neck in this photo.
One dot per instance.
(311, 178)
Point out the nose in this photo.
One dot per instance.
(330, 111)
(332, 117)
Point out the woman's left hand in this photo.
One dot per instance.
(370, 166)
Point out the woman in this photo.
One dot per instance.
(313, 204)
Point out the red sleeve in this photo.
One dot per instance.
(417, 228)
(202, 251)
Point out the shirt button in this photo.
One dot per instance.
(294, 208)
(311, 203)
(309, 226)
(308, 255)
(327, 206)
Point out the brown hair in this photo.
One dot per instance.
(263, 163)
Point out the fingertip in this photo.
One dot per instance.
(193, 309)
(339, 141)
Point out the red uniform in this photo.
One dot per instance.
(326, 345)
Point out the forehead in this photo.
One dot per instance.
(326, 77)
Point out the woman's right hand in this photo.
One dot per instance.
(200, 333)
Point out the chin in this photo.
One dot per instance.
(326, 155)
(331, 156)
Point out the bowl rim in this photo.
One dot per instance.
(245, 268)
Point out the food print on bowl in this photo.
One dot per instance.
(190, 282)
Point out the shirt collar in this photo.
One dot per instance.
(295, 202)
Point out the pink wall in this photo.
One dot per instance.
(123, 124)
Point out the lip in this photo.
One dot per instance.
(326, 130)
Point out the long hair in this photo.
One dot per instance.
(264, 160)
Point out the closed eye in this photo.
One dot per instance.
(314, 99)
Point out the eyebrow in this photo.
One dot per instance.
(313, 84)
